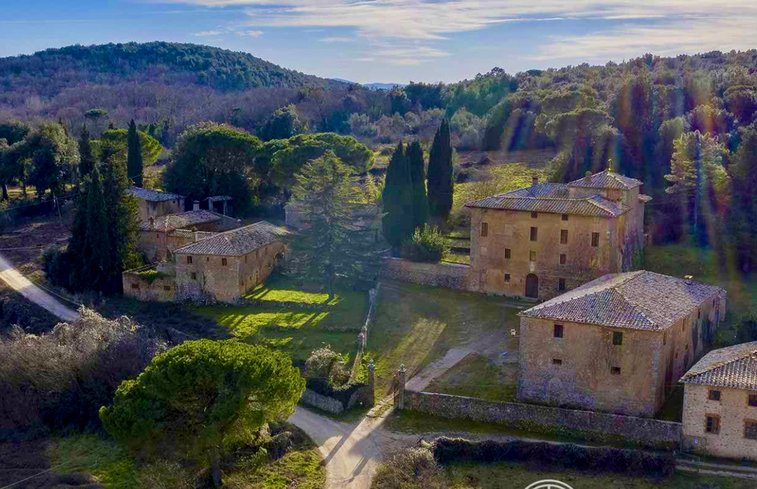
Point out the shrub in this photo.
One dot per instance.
(200, 397)
(327, 364)
(552, 456)
(410, 468)
(426, 245)
(60, 379)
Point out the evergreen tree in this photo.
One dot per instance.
(743, 217)
(88, 256)
(86, 157)
(134, 166)
(123, 221)
(397, 199)
(418, 176)
(440, 184)
(331, 246)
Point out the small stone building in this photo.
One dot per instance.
(720, 403)
(160, 236)
(224, 266)
(548, 238)
(618, 343)
(154, 203)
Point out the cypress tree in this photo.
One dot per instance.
(418, 176)
(440, 185)
(88, 249)
(397, 198)
(134, 166)
(86, 158)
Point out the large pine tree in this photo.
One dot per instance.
(397, 199)
(418, 176)
(440, 184)
(86, 157)
(134, 165)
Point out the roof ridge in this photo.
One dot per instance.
(723, 363)
(641, 309)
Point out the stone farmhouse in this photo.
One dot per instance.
(549, 238)
(720, 403)
(160, 236)
(154, 203)
(218, 267)
(618, 343)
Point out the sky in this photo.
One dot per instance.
(394, 40)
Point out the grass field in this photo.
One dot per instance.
(111, 466)
(297, 321)
(478, 376)
(416, 325)
(509, 476)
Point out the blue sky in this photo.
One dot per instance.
(394, 40)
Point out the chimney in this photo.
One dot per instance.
(196, 205)
(587, 176)
(534, 180)
(688, 278)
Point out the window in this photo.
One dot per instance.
(561, 284)
(617, 338)
(558, 331)
(752, 401)
(193, 275)
(224, 261)
(665, 338)
(507, 253)
(134, 286)
(564, 217)
(556, 361)
(534, 215)
(713, 395)
(595, 239)
(563, 259)
(712, 424)
(189, 260)
(563, 236)
(750, 430)
(484, 229)
(532, 255)
(615, 370)
(507, 277)
(534, 233)
(166, 287)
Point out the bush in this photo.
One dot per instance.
(552, 456)
(327, 364)
(410, 468)
(55, 263)
(60, 379)
(426, 245)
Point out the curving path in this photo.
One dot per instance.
(34, 293)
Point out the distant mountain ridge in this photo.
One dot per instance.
(52, 70)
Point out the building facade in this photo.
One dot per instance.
(224, 266)
(549, 238)
(618, 343)
(720, 403)
(154, 203)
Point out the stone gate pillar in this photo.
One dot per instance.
(401, 379)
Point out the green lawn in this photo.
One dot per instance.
(416, 325)
(295, 320)
(509, 476)
(111, 466)
(478, 376)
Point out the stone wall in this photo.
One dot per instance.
(324, 403)
(644, 431)
(448, 275)
(158, 288)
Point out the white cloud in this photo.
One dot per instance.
(668, 27)
(208, 33)
(250, 33)
(333, 39)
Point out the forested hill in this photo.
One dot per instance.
(48, 72)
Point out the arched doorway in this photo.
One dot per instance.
(532, 286)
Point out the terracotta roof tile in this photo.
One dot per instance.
(236, 242)
(171, 222)
(153, 195)
(734, 367)
(606, 179)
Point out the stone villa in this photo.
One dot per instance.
(720, 403)
(548, 238)
(618, 343)
(199, 254)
